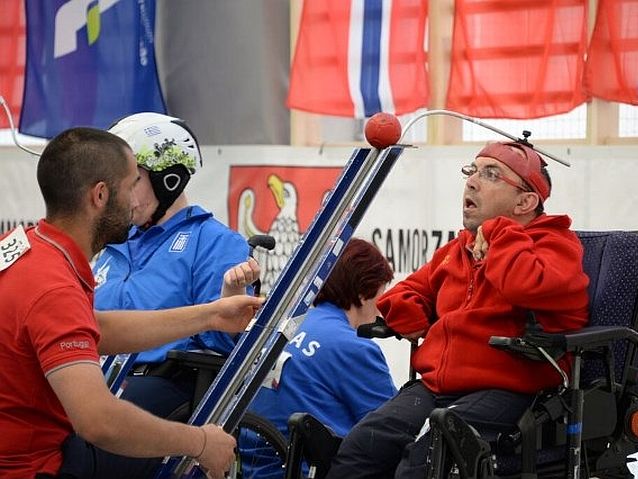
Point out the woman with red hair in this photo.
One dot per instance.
(326, 369)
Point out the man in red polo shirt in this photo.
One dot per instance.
(510, 258)
(53, 397)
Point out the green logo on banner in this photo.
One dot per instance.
(93, 24)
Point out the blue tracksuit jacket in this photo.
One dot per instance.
(178, 263)
(326, 370)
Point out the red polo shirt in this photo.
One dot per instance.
(46, 300)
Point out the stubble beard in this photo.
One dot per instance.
(112, 227)
(470, 224)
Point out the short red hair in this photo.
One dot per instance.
(360, 271)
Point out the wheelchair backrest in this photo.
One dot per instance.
(611, 262)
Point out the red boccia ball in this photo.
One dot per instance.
(383, 130)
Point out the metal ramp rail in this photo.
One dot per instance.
(275, 324)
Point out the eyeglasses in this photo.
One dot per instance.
(492, 174)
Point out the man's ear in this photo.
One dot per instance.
(526, 203)
(99, 194)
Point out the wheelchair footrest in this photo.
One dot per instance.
(470, 453)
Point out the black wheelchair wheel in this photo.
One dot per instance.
(261, 448)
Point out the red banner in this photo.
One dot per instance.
(515, 59)
(280, 201)
(257, 195)
(612, 62)
(12, 56)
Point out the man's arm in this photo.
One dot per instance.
(120, 427)
(408, 306)
(534, 266)
(131, 331)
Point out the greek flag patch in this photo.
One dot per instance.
(152, 130)
(179, 243)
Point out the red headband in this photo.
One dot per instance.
(526, 165)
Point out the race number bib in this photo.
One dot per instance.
(12, 247)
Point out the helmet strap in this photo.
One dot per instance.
(167, 185)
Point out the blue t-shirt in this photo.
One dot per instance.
(327, 371)
(180, 262)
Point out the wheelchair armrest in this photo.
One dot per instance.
(592, 337)
(378, 329)
(314, 432)
(589, 338)
(206, 363)
(310, 440)
(528, 345)
(199, 359)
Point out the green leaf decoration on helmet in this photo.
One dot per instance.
(159, 141)
(164, 155)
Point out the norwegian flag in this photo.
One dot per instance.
(358, 57)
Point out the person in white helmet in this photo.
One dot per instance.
(58, 419)
(176, 254)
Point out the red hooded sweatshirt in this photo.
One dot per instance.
(535, 267)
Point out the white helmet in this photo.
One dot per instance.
(164, 146)
(159, 141)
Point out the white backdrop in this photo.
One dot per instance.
(422, 193)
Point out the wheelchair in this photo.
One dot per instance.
(586, 428)
(253, 431)
(255, 435)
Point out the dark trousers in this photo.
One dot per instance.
(382, 444)
(82, 460)
(164, 397)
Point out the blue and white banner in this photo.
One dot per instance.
(89, 62)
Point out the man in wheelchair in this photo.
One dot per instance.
(510, 258)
